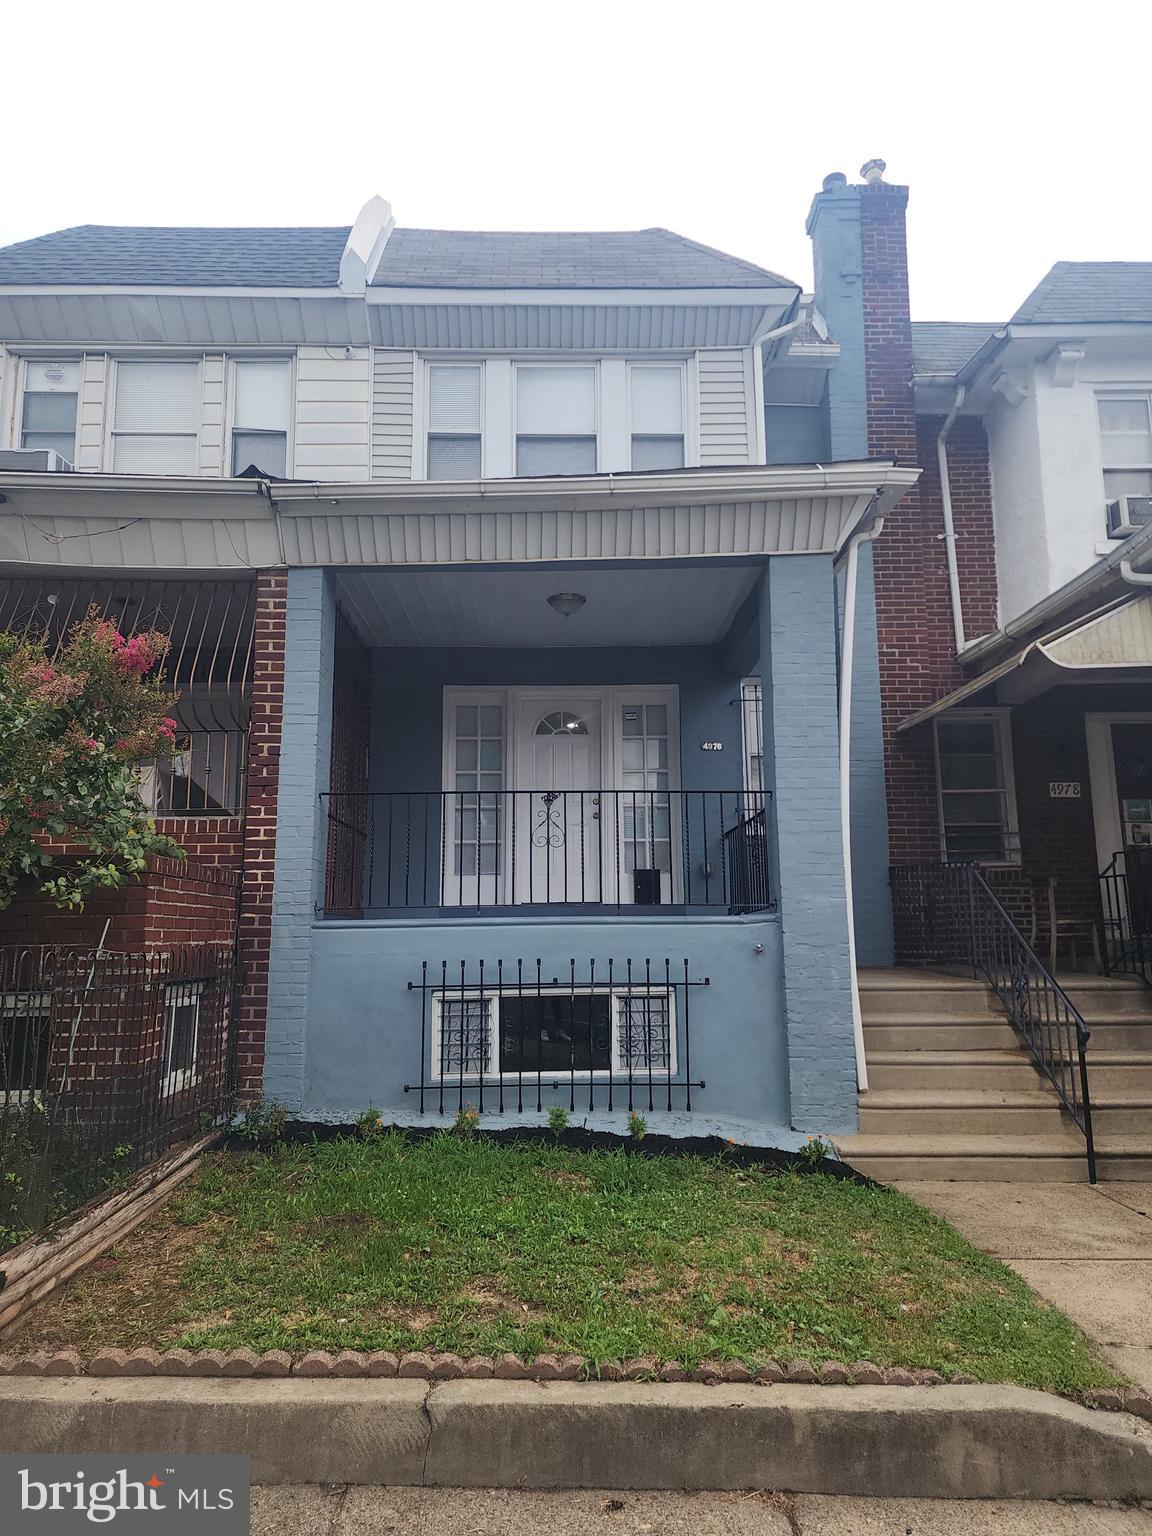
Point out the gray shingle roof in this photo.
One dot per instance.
(645, 258)
(944, 346)
(179, 258)
(413, 258)
(1090, 292)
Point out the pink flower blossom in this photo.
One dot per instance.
(167, 727)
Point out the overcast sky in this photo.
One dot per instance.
(1022, 130)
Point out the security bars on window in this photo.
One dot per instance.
(511, 1036)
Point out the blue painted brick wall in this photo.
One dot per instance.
(305, 751)
(799, 673)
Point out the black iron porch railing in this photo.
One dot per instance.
(602, 849)
(948, 913)
(1126, 903)
(494, 1038)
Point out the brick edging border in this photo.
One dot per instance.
(421, 1365)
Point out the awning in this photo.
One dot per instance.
(1112, 639)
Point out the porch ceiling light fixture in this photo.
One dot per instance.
(567, 603)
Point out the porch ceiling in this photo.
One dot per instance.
(635, 606)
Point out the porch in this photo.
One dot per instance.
(545, 865)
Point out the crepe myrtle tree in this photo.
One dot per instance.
(73, 730)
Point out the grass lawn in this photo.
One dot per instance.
(468, 1245)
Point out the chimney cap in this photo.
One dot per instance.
(834, 181)
(873, 170)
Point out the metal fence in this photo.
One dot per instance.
(947, 913)
(1126, 900)
(106, 1062)
(614, 849)
(510, 1035)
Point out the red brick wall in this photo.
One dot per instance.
(172, 903)
(914, 616)
(216, 840)
(259, 849)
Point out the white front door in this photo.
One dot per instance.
(556, 817)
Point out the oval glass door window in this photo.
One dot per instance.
(561, 723)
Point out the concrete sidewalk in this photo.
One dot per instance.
(1086, 1249)
(341, 1511)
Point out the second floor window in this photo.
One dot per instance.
(156, 418)
(454, 421)
(49, 413)
(261, 406)
(1126, 445)
(657, 399)
(555, 421)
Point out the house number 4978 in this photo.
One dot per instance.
(1064, 789)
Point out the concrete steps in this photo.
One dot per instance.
(954, 1095)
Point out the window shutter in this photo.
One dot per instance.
(657, 400)
(157, 397)
(454, 399)
(556, 401)
(263, 395)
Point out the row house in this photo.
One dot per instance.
(513, 580)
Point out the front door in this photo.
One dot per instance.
(1120, 758)
(556, 815)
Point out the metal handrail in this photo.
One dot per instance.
(1127, 919)
(952, 914)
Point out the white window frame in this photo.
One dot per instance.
(1011, 828)
(17, 420)
(177, 1079)
(1135, 393)
(680, 363)
(112, 432)
(617, 995)
(424, 424)
(19, 1004)
(230, 361)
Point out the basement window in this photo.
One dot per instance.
(977, 796)
(25, 1044)
(181, 1034)
(556, 1032)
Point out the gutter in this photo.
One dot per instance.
(1128, 552)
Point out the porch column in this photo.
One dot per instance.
(305, 759)
(798, 671)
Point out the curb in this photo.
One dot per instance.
(970, 1442)
(421, 1365)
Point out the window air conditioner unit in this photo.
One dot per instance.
(1128, 514)
(34, 461)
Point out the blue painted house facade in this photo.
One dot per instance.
(569, 526)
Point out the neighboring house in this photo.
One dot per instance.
(504, 572)
(1015, 660)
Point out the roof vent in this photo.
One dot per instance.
(366, 241)
(834, 181)
(873, 171)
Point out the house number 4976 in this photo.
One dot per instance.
(1064, 789)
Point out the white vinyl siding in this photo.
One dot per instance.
(333, 397)
(727, 434)
(156, 418)
(393, 402)
(92, 418)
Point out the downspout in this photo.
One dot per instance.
(758, 345)
(847, 654)
(949, 526)
(1133, 577)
